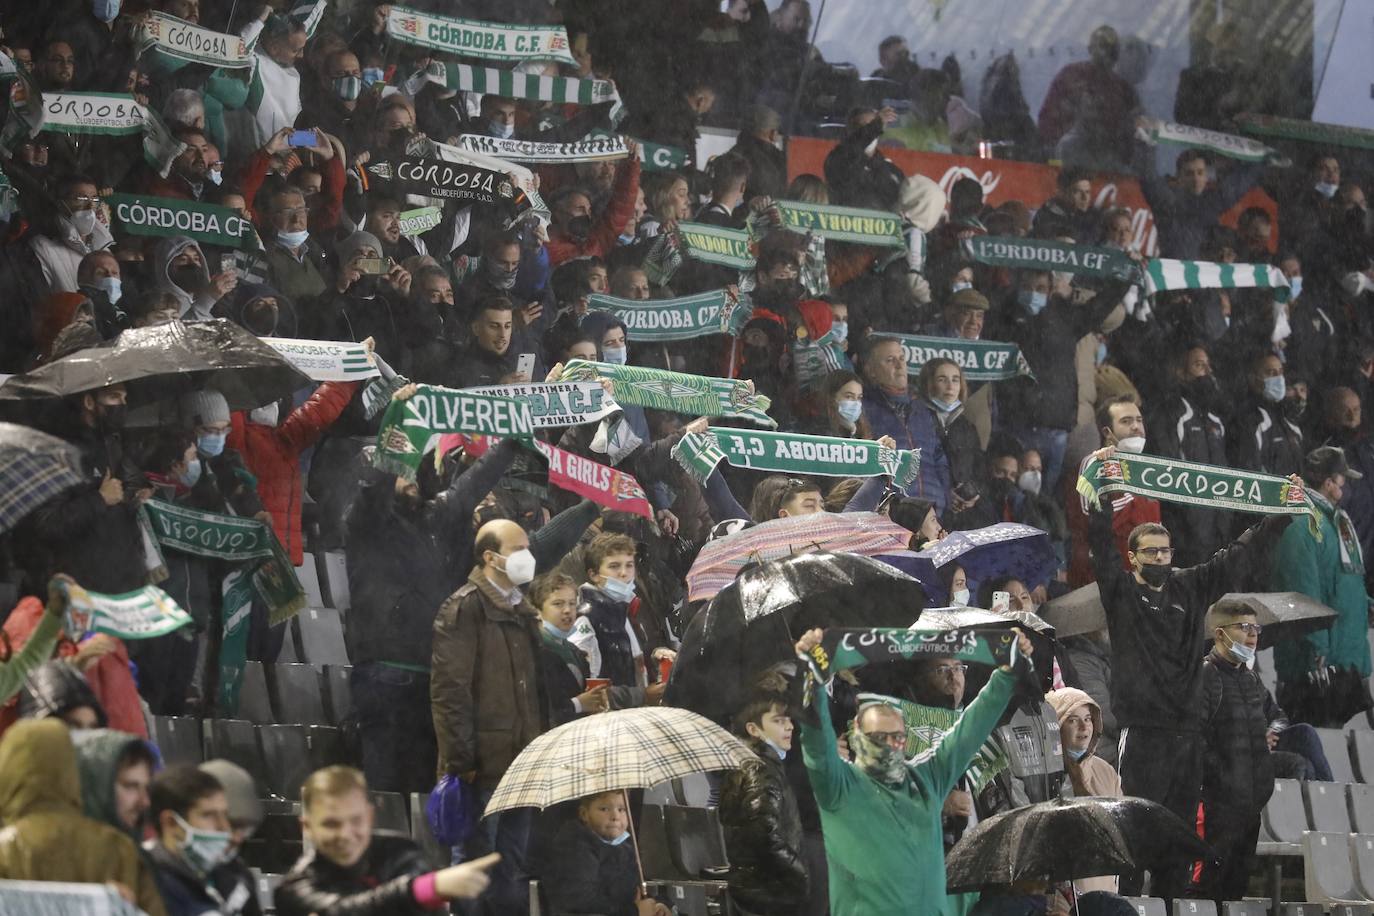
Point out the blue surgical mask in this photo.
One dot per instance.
(561, 634)
(1032, 301)
(211, 444)
(215, 176)
(618, 840)
(614, 355)
(504, 131)
(624, 592)
(1275, 388)
(840, 330)
(945, 408)
(1240, 651)
(348, 87)
(113, 288)
(849, 411)
(191, 475)
(1101, 356)
(1325, 189)
(1076, 755)
(959, 286)
(292, 239)
(105, 10)
(1295, 287)
(373, 75)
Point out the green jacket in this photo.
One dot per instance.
(884, 845)
(1313, 567)
(36, 651)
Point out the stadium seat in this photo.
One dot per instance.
(279, 826)
(1285, 817)
(1194, 907)
(322, 636)
(1337, 754)
(1147, 906)
(655, 848)
(1327, 809)
(1362, 749)
(437, 855)
(266, 885)
(1361, 798)
(310, 581)
(236, 741)
(285, 750)
(391, 812)
(1362, 854)
(1327, 871)
(1301, 909)
(1245, 908)
(325, 747)
(255, 704)
(1351, 909)
(179, 739)
(696, 841)
(336, 571)
(296, 697)
(339, 692)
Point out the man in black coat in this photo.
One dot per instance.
(350, 871)
(858, 174)
(757, 145)
(1261, 437)
(1155, 617)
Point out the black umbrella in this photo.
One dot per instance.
(1066, 839)
(1041, 633)
(163, 360)
(1282, 614)
(34, 467)
(755, 621)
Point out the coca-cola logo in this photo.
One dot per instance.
(989, 179)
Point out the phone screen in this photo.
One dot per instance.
(1001, 601)
(373, 265)
(524, 364)
(304, 138)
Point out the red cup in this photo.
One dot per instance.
(594, 682)
(665, 668)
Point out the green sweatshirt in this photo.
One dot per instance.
(35, 652)
(884, 845)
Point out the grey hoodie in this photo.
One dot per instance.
(194, 306)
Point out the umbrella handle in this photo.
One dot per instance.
(634, 841)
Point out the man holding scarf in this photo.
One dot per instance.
(1323, 561)
(881, 815)
(1156, 616)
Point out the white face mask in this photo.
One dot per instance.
(871, 148)
(959, 598)
(1355, 283)
(519, 567)
(1282, 329)
(1029, 482)
(1132, 445)
(84, 222)
(264, 416)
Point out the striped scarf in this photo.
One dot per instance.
(1352, 555)
(1162, 274)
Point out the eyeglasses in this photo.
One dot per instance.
(887, 737)
(949, 671)
(1152, 553)
(1249, 629)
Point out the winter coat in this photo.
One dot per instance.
(1159, 637)
(1184, 218)
(1237, 771)
(303, 279)
(767, 167)
(46, 838)
(60, 255)
(589, 875)
(27, 654)
(485, 686)
(230, 889)
(859, 180)
(1358, 501)
(605, 232)
(949, 452)
(564, 669)
(381, 883)
(273, 454)
(616, 644)
(1262, 439)
(195, 306)
(1091, 661)
(1188, 431)
(1090, 775)
(277, 88)
(763, 835)
(1310, 563)
(884, 846)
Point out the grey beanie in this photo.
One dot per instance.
(206, 407)
(239, 791)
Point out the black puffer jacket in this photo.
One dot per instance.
(763, 835)
(1237, 771)
(378, 885)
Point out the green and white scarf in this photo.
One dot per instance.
(211, 224)
(1222, 144)
(1193, 484)
(557, 404)
(926, 726)
(418, 222)
(407, 426)
(1306, 131)
(682, 318)
(717, 245)
(843, 224)
(326, 360)
(796, 454)
(93, 113)
(144, 613)
(1352, 554)
(676, 392)
(664, 259)
(978, 360)
(1042, 254)
(1164, 274)
(474, 38)
(598, 149)
(529, 86)
(310, 15)
(189, 42)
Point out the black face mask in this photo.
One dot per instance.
(999, 488)
(1294, 408)
(579, 227)
(780, 293)
(365, 287)
(1155, 575)
(1203, 390)
(110, 417)
(188, 276)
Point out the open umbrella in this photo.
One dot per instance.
(34, 467)
(1283, 614)
(865, 533)
(163, 360)
(754, 622)
(1004, 549)
(1078, 612)
(1070, 838)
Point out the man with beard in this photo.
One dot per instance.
(505, 264)
(188, 178)
(574, 234)
(384, 221)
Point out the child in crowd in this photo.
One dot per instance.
(594, 868)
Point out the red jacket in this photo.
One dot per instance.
(1129, 510)
(324, 215)
(601, 240)
(273, 455)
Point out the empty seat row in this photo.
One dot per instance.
(278, 756)
(1331, 807)
(1153, 906)
(295, 694)
(1338, 867)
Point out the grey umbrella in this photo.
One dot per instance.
(1078, 612)
(166, 359)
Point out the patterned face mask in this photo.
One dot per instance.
(877, 759)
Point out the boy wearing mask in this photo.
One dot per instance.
(193, 851)
(607, 628)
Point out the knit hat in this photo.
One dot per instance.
(921, 201)
(239, 791)
(348, 246)
(206, 407)
(968, 299)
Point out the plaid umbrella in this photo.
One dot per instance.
(624, 749)
(864, 533)
(34, 467)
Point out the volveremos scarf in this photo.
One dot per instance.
(1228, 145)
(408, 425)
(1190, 483)
(978, 360)
(676, 392)
(326, 360)
(474, 38)
(596, 149)
(1042, 254)
(141, 614)
(1163, 274)
(556, 404)
(682, 318)
(794, 453)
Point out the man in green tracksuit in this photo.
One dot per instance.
(881, 815)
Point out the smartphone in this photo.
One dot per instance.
(524, 365)
(305, 138)
(1001, 601)
(373, 265)
(226, 263)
